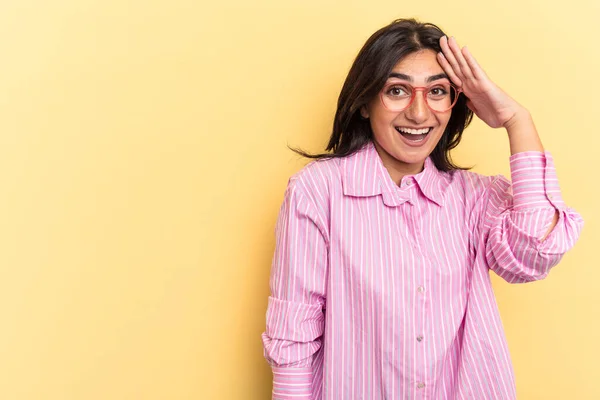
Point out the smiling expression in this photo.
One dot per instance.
(404, 139)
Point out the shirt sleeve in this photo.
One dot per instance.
(515, 217)
(295, 319)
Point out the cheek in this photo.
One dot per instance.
(380, 121)
(443, 120)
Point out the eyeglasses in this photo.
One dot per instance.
(439, 96)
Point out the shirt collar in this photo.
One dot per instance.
(364, 175)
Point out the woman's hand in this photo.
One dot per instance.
(490, 103)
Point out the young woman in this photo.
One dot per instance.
(380, 285)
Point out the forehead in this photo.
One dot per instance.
(419, 65)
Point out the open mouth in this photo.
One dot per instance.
(414, 135)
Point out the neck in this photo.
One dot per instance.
(396, 168)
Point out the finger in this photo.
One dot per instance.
(447, 52)
(478, 72)
(449, 70)
(464, 66)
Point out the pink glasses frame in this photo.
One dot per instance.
(414, 94)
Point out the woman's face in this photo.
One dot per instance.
(404, 153)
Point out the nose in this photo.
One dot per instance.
(418, 111)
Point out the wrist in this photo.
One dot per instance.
(522, 133)
(519, 118)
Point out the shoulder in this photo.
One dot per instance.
(318, 176)
(473, 182)
(318, 181)
(473, 187)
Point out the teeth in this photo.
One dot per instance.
(414, 131)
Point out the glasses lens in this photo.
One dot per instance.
(396, 97)
(441, 97)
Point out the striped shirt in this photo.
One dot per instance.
(382, 291)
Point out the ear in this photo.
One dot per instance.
(364, 112)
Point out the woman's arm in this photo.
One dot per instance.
(490, 103)
(525, 226)
(295, 320)
(523, 137)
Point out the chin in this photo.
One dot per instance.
(413, 160)
(412, 156)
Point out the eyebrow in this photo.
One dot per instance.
(410, 79)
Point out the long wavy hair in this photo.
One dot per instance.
(367, 76)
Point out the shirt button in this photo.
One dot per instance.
(550, 197)
(419, 338)
(421, 385)
(420, 289)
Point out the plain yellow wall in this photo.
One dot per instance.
(143, 163)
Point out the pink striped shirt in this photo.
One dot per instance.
(380, 291)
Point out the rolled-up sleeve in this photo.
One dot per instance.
(515, 219)
(295, 319)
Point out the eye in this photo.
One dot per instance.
(438, 92)
(398, 91)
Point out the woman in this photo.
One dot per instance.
(380, 285)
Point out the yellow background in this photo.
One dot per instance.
(143, 163)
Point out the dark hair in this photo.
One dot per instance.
(367, 76)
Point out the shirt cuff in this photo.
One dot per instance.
(292, 383)
(534, 181)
